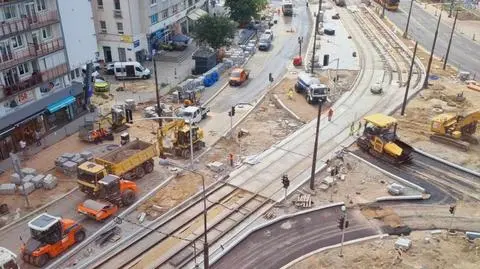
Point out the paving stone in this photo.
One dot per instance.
(7, 188)
(15, 178)
(29, 171)
(49, 182)
(60, 160)
(67, 155)
(87, 155)
(26, 188)
(27, 178)
(38, 181)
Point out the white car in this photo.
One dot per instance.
(269, 32)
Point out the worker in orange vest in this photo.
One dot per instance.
(230, 158)
(330, 114)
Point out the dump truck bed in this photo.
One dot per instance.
(127, 157)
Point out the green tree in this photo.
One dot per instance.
(243, 11)
(216, 31)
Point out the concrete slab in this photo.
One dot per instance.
(7, 188)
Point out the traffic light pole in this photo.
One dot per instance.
(452, 212)
(344, 210)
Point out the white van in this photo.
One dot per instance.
(130, 70)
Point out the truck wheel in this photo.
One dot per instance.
(139, 172)
(79, 236)
(309, 99)
(40, 261)
(128, 197)
(148, 167)
(185, 153)
(144, 77)
(297, 88)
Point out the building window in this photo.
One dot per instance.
(72, 74)
(153, 2)
(41, 5)
(23, 69)
(165, 14)
(47, 32)
(175, 9)
(100, 4)
(154, 18)
(17, 41)
(117, 4)
(77, 72)
(103, 27)
(10, 12)
(120, 28)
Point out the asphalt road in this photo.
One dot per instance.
(286, 240)
(464, 52)
(66, 208)
(275, 61)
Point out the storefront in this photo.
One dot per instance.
(53, 112)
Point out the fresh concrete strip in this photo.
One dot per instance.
(368, 238)
(281, 104)
(404, 181)
(466, 170)
(402, 198)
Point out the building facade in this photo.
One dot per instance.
(36, 93)
(126, 29)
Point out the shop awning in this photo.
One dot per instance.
(196, 14)
(61, 104)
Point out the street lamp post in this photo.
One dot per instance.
(206, 263)
(300, 41)
(384, 6)
(344, 224)
(450, 41)
(315, 147)
(427, 74)
(405, 34)
(408, 81)
(159, 109)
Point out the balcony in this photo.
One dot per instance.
(9, 2)
(10, 28)
(33, 81)
(31, 52)
(117, 14)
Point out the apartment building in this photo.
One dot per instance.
(36, 93)
(126, 29)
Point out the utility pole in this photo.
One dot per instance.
(315, 147)
(450, 41)
(317, 21)
(384, 6)
(159, 109)
(409, 79)
(300, 41)
(452, 4)
(425, 84)
(405, 34)
(342, 225)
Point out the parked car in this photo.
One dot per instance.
(269, 32)
(329, 31)
(130, 70)
(109, 69)
(101, 85)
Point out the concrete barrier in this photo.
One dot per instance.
(400, 198)
(466, 170)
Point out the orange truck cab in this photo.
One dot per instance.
(238, 76)
(50, 236)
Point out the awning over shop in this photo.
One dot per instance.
(196, 14)
(61, 104)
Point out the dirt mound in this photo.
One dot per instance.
(386, 215)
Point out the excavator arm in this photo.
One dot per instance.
(162, 132)
(468, 124)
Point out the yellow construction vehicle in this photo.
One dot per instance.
(181, 138)
(455, 130)
(380, 140)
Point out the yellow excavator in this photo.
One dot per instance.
(181, 138)
(380, 140)
(455, 130)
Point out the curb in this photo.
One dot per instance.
(466, 170)
(261, 226)
(404, 181)
(400, 198)
(277, 99)
(111, 223)
(368, 238)
(10, 225)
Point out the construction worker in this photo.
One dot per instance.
(359, 128)
(330, 114)
(230, 159)
(352, 128)
(290, 94)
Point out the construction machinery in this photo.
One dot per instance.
(131, 161)
(455, 130)
(8, 259)
(95, 130)
(181, 138)
(50, 237)
(112, 193)
(381, 141)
